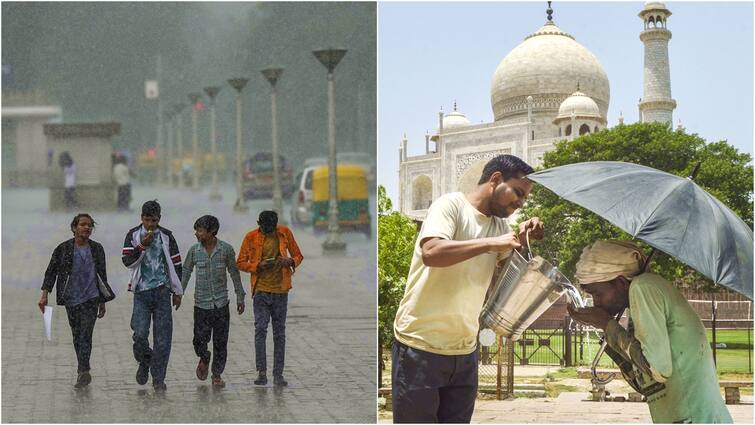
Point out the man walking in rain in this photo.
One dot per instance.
(212, 258)
(78, 267)
(151, 252)
(463, 237)
(270, 254)
(665, 350)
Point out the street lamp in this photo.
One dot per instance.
(169, 142)
(214, 192)
(194, 99)
(330, 58)
(178, 108)
(273, 75)
(239, 84)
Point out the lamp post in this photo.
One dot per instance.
(240, 205)
(169, 142)
(178, 108)
(273, 75)
(330, 58)
(159, 154)
(194, 99)
(214, 192)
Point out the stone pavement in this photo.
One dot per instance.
(331, 331)
(571, 407)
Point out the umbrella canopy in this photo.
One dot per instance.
(670, 213)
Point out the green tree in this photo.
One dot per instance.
(396, 237)
(725, 173)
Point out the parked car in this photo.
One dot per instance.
(301, 198)
(257, 176)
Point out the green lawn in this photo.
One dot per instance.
(733, 359)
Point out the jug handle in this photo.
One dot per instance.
(529, 248)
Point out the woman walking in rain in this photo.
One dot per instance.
(78, 268)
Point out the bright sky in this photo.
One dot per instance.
(430, 54)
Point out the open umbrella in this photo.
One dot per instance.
(670, 213)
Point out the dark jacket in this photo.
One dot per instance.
(61, 264)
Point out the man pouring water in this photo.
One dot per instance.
(463, 237)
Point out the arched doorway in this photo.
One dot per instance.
(422, 193)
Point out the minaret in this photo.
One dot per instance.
(657, 104)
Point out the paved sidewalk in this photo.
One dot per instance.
(331, 332)
(571, 407)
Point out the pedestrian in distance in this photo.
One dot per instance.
(122, 177)
(151, 253)
(213, 259)
(77, 266)
(69, 180)
(270, 254)
(463, 238)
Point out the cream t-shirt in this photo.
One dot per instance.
(441, 305)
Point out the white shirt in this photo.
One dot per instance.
(69, 173)
(121, 175)
(441, 305)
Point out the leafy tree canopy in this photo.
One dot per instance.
(725, 173)
(396, 237)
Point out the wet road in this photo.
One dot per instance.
(330, 353)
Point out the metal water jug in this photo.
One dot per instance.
(522, 293)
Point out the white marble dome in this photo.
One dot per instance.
(546, 65)
(578, 104)
(455, 119)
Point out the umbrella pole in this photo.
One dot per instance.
(713, 304)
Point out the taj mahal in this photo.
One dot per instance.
(547, 89)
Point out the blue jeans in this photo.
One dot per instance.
(153, 305)
(270, 306)
(430, 387)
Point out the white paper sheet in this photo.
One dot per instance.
(48, 322)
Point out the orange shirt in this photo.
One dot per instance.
(251, 253)
(270, 280)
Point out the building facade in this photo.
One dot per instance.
(547, 89)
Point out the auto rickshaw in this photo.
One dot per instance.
(353, 199)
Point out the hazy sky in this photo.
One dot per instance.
(92, 59)
(431, 54)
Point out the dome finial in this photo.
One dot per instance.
(454, 105)
(577, 85)
(549, 11)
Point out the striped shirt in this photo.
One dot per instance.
(211, 283)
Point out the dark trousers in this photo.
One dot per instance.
(269, 306)
(81, 318)
(212, 323)
(430, 387)
(69, 194)
(124, 196)
(153, 307)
